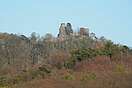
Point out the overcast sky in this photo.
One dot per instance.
(109, 18)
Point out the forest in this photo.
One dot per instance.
(70, 60)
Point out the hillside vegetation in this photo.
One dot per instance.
(70, 60)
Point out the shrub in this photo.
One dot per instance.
(83, 54)
(69, 63)
(3, 81)
(88, 76)
(68, 77)
(120, 68)
(4, 87)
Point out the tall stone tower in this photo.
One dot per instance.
(69, 29)
(65, 30)
(62, 31)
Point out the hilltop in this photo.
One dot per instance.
(70, 60)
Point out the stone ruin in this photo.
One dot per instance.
(84, 31)
(66, 30)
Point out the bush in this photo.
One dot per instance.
(83, 54)
(69, 63)
(3, 81)
(120, 68)
(88, 76)
(68, 77)
(4, 87)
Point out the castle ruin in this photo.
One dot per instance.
(66, 30)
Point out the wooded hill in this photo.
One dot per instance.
(69, 50)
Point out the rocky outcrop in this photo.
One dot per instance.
(62, 31)
(69, 30)
(65, 30)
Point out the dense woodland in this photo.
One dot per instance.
(70, 60)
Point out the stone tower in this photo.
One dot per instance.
(69, 29)
(84, 31)
(62, 31)
(65, 30)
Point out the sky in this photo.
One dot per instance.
(109, 18)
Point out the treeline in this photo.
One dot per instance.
(24, 52)
(25, 59)
(115, 52)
